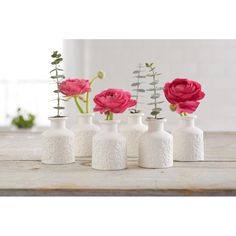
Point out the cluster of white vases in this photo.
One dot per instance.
(110, 145)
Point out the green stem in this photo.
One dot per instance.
(87, 94)
(87, 102)
(109, 116)
(137, 94)
(155, 100)
(92, 80)
(78, 106)
(58, 96)
(183, 114)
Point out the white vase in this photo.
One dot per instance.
(132, 131)
(156, 146)
(58, 143)
(109, 148)
(84, 132)
(188, 141)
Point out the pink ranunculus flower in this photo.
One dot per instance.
(184, 95)
(74, 87)
(113, 100)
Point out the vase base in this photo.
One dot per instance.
(189, 160)
(159, 167)
(112, 169)
(60, 163)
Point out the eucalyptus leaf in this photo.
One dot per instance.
(59, 108)
(136, 71)
(53, 70)
(56, 91)
(54, 54)
(154, 103)
(140, 76)
(57, 61)
(154, 96)
(154, 82)
(134, 111)
(58, 76)
(154, 113)
(139, 90)
(151, 89)
(135, 84)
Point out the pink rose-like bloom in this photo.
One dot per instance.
(184, 94)
(74, 87)
(113, 100)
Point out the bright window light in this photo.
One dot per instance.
(25, 79)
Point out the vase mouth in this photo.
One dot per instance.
(58, 118)
(85, 114)
(189, 117)
(109, 122)
(158, 120)
(136, 114)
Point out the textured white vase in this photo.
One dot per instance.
(84, 132)
(188, 141)
(133, 131)
(156, 146)
(109, 148)
(58, 143)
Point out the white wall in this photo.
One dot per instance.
(211, 62)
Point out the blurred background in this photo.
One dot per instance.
(25, 80)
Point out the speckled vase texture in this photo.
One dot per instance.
(188, 141)
(133, 131)
(84, 132)
(156, 146)
(58, 143)
(109, 148)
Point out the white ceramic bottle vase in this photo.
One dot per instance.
(133, 131)
(109, 148)
(156, 146)
(188, 141)
(58, 143)
(84, 132)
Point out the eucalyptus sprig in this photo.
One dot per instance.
(137, 75)
(155, 89)
(57, 77)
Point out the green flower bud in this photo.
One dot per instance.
(100, 74)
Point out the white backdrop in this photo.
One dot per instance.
(211, 62)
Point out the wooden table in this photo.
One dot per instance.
(214, 176)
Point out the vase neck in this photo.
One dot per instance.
(156, 125)
(85, 119)
(135, 119)
(58, 123)
(187, 121)
(110, 126)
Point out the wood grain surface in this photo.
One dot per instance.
(216, 176)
